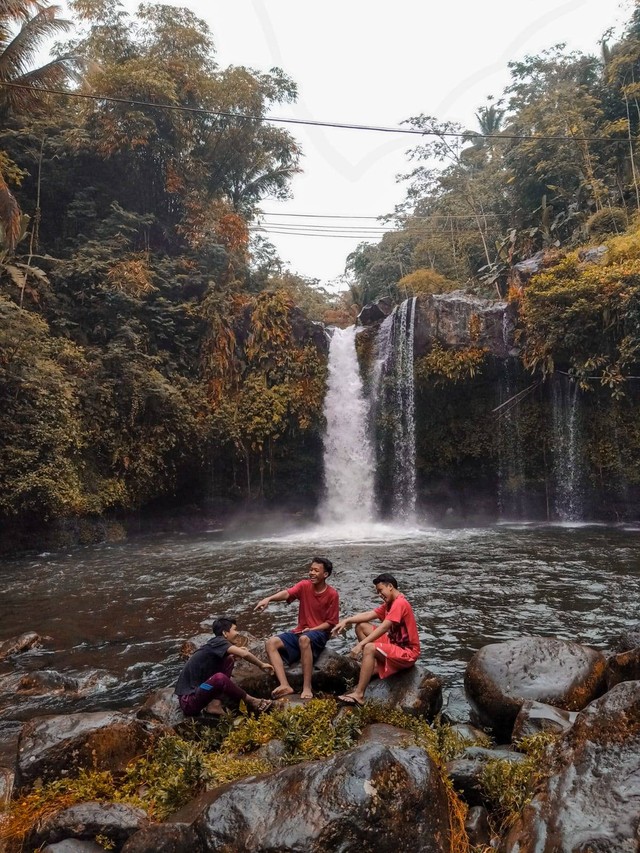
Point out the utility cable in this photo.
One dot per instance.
(308, 122)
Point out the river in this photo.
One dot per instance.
(117, 614)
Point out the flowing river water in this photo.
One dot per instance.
(116, 615)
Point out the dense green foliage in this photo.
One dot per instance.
(153, 353)
(147, 349)
(553, 162)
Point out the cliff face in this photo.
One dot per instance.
(495, 441)
(456, 320)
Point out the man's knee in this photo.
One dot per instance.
(304, 642)
(369, 650)
(361, 631)
(273, 644)
(219, 681)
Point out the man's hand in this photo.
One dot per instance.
(261, 605)
(342, 625)
(266, 667)
(356, 651)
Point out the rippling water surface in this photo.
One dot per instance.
(117, 614)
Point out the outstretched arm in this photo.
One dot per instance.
(343, 624)
(239, 652)
(283, 595)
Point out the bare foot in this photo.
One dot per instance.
(306, 694)
(282, 690)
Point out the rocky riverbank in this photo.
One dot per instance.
(543, 754)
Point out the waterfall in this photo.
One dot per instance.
(511, 471)
(567, 442)
(394, 411)
(348, 455)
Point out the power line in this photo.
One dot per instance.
(308, 122)
(427, 216)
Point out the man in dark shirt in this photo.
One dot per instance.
(206, 676)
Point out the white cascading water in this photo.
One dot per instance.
(393, 394)
(348, 456)
(567, 458)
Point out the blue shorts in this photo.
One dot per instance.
(291, 641)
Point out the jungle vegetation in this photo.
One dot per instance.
(153, 351)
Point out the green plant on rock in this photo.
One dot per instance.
(508, 786)
(450, 365)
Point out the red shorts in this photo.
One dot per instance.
(394, 658)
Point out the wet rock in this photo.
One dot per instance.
(456, 707)
(468, 732)
(501, 676)
(458, 319)
(164, 838)
(374, 312)
(106, 740)
(593, 254)
(358, 800)
(17, 645)
(383, 733)
(306, 331)
(72, 845)
(86, 820)
(623, 667)
(332, 673)
(46, 681)
(536, 717)
(9, 736)
(7, 778)
(477, 827)
(628, 640)
(274, 752)
(466, 771)
(415, 691)
(162, 706)
(591, 801)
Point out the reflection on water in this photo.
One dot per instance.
(123, 610)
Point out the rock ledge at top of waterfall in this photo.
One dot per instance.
(454, 320)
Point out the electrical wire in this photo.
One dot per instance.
(309, 122)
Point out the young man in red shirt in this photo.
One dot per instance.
(390, 647)
(318, 613)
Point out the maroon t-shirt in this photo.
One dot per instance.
(314, 609)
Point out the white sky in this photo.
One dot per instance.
(375, 63)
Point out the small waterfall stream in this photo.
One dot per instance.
(349, 463)
(393, 408)
(567, 457)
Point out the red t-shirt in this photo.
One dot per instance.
(314, 609)
(404, 631)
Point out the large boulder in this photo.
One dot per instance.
(415, 691)
(591, 800)
(374, 312)
(501, 676)
(371, 798)
(84, 821)
(457, 320)
(105, 740)
(72, 845)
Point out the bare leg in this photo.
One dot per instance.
(275, 659)
(306, 659)
(366, 671)
(363, 629)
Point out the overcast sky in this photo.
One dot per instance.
(377, 63)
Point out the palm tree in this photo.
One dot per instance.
(24, 26)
